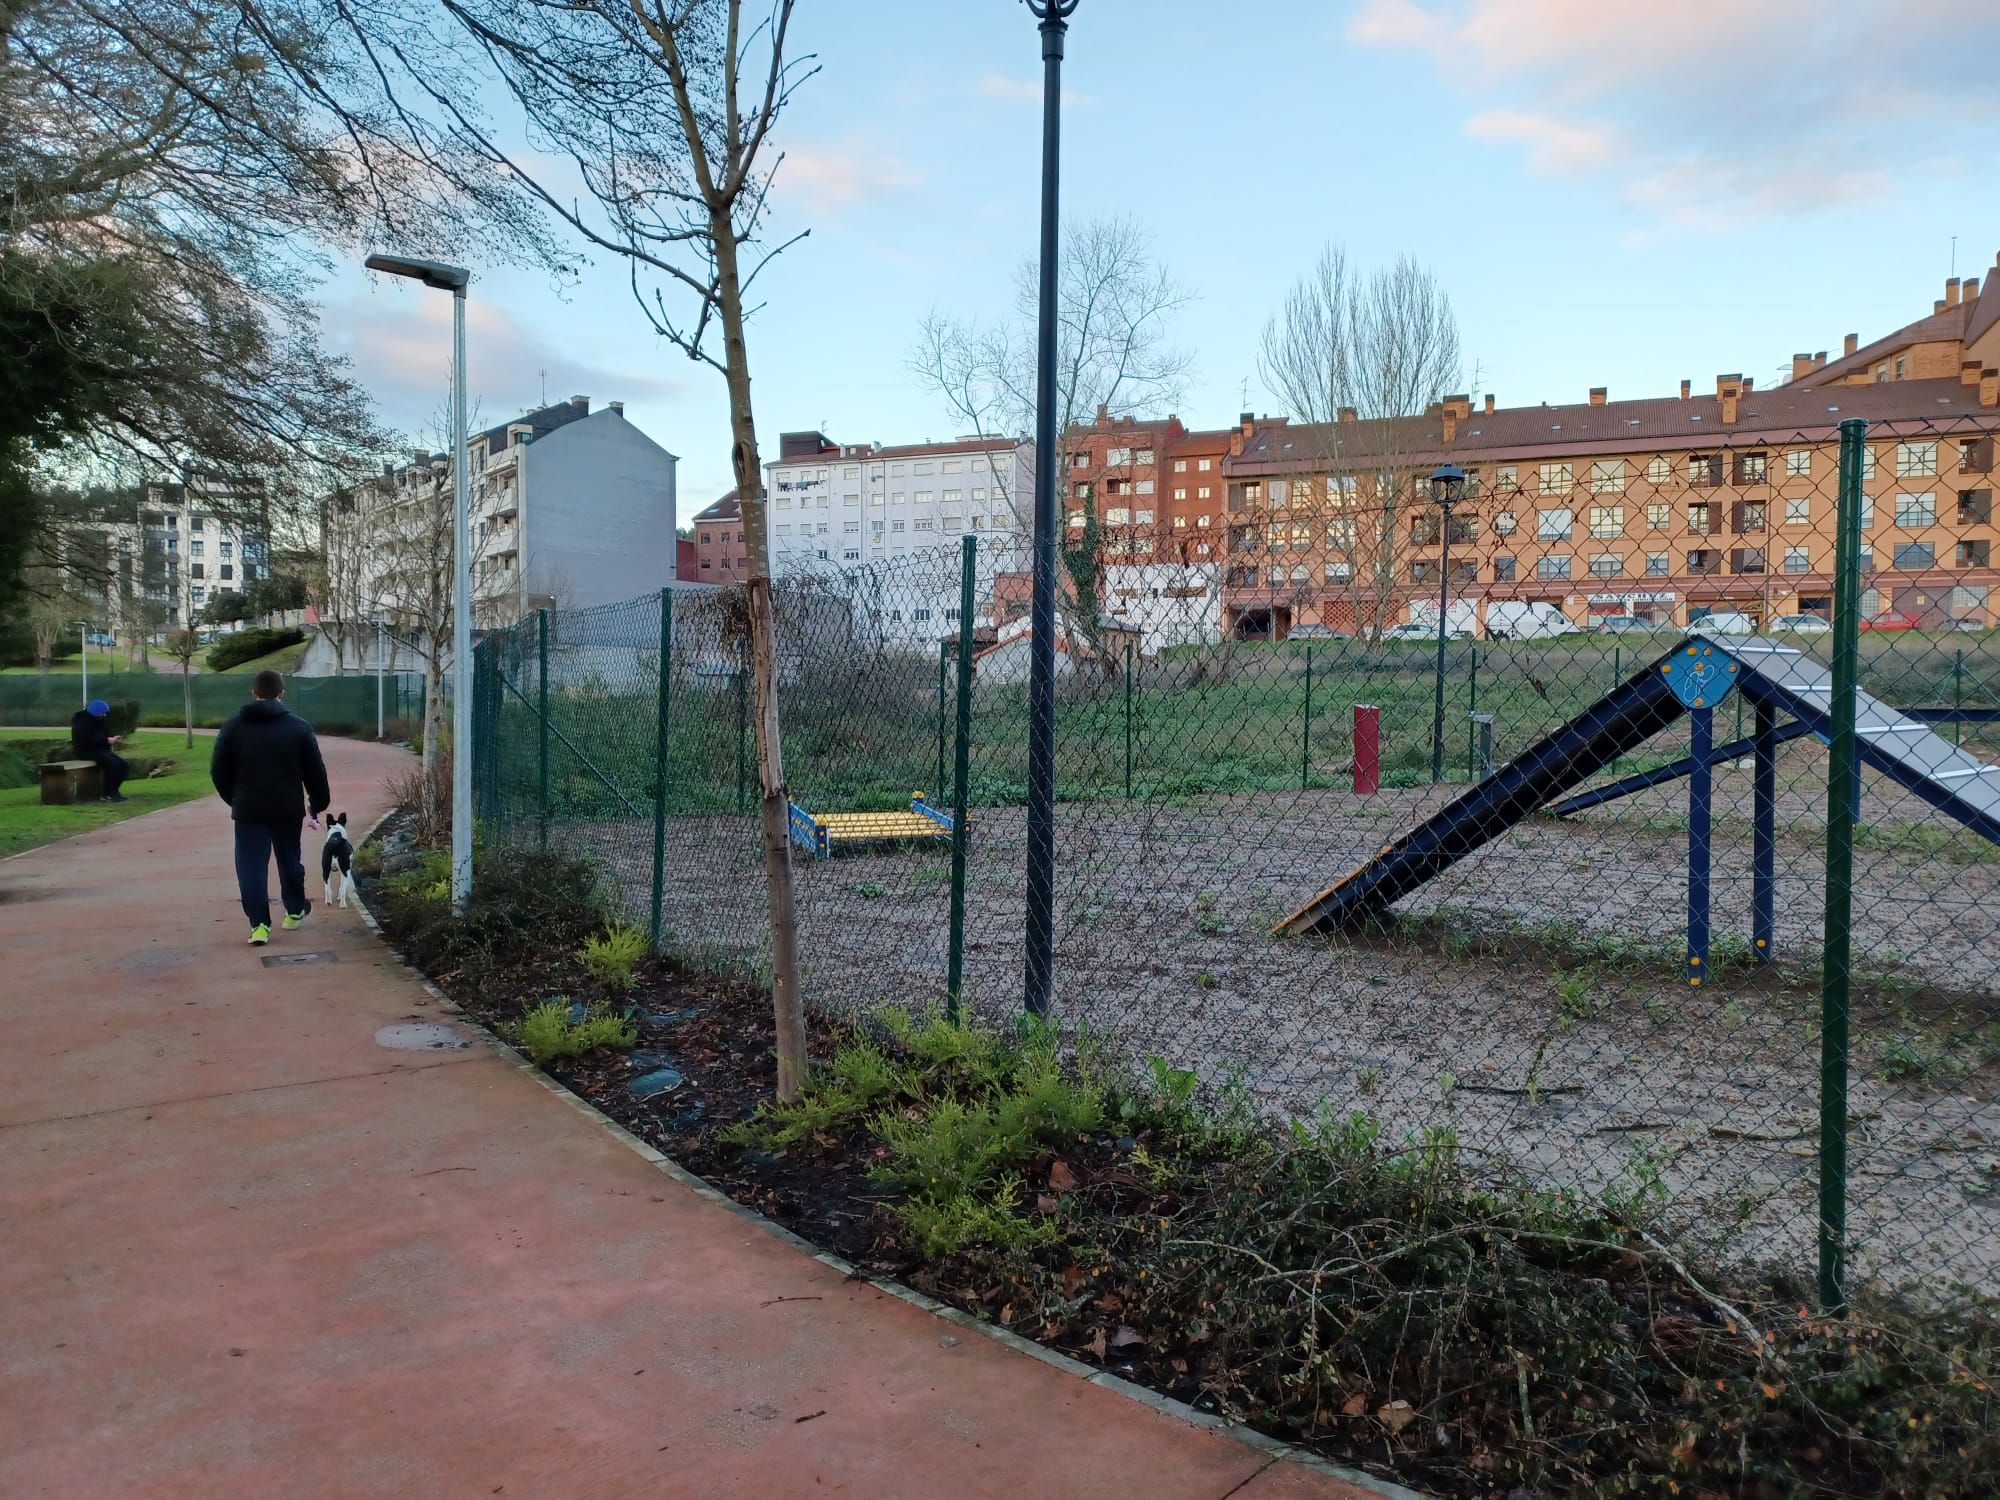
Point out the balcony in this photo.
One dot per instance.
(1975, 507)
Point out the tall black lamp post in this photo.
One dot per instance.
(1054, 18)
(1447, 489)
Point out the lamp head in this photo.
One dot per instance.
(1447, 485)
(432, 273)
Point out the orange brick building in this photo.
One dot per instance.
(1155, 487)
(1661, 507)
(720, 555)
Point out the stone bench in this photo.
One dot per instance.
(65, 782)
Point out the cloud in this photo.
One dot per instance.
(1706, 112)
(829, 177)
(400, 345)
(1026, 91)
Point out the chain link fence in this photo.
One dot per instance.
(334, 705)
(1548, 882)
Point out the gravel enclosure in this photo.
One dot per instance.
(1539, 1012)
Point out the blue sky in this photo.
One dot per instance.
(1614, 192)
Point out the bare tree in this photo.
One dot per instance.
(183, 646)
(1362, 363)
(1115, 306)
(664, 110)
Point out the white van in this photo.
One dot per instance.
(1724, 622)
(1531, 621)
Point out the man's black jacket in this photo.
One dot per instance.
(264, 758)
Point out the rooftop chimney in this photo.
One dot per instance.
(1972, 289)
(1819, 360)
(1989, 387)
(1489, 403)
(1728, 390)
(1686, 386)
(1951, 286)
(1937, 307)
(582, 401)
(1802, 366)
(1968, 372)
(616, 406)
(1598, 394)
(1850, 343)
(1247, 423)
(1103, 413)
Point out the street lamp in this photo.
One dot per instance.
(380, 626)
(1447, 490)
(1053, 16)
(453, 279)
(83, 655)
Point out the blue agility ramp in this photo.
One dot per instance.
(1780, 682)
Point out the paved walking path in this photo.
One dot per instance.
(251, 1252)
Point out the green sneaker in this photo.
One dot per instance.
(260, 934)
(295, 919)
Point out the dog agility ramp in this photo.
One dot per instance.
(1691, 679)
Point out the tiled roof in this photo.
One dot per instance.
(905, 450)
(1932, 328)
(1619, 426)
(1986, 310)
(726, 509)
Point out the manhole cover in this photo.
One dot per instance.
(420, 1036)
(276, 960)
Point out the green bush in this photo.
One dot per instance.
(123, 718)
(17, 767)
(523, 908)
(246, 645)
(611, 957)
(550, 1032)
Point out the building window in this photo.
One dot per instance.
(1180, 466)
(1656, 565)
(1504, 523)
(1916, 510)
(850, 525)
(1607, 476)
(1145, 457)
(1607, 520)
(1658, 470)
(1701, 560)
(1659, 517)
(1503, 570)
(1607, 565)
(1204, 522)
(195, 570)
(1750, 516)
(1201, 491)
(1554, 526)
(850, 554)
(896, 525)
(1705, 470)
(1751, 468)
(1798, 510)
(1142, 517)
(1557, 479)
(1916, 460)
(1797, 560)
(1145, 487)
(1118, 515)
(924, 523)
(195, 549)
(198, 594)
(1748, 560)
(1701, 518)
(1115, 457)
(228, 551)
(1914, 555)
(1507, 477)
(1201, 464)
(1180, 523)
(1081, 489)
(1180, 494)
(1075, 521)
(1552, 567)
(1798, 463)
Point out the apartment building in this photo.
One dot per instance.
(842, 504)
(720, 555)
(1661, 507)
(569, 508)
(187, 544)
(1154, 488)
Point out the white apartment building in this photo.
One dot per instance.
(189, 544)
(569, 508)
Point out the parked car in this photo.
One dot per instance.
(1318, 633)
(1625, 625)
(1802, 624)
(1531, 621)
(100, 638)
(1724, 622)
(1419, 630)
(1891, 619)
(1966, 627)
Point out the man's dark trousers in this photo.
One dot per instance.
(255, 844)
(113, 768)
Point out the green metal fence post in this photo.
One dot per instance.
(1836, 954)
(1957, 696)
(542, 718)
(1471, 716)
(660, 725)
(960, 774)
(742, 735)
(944, 654)
(1306, 737)
(1128, 721)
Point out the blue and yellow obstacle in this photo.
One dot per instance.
(819, 834)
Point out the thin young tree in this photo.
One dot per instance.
(183, 646)
(664, 111)
(1361, 361)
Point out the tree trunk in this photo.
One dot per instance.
(788, 1007)
(433, 730)
(187, 699)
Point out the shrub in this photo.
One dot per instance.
(524, 908)
(552, 1030)
(611, 957)
(123, 718)
(17, 767)
(247, 645)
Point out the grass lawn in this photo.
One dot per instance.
(72, 665)
(24, 822)
(285, 659)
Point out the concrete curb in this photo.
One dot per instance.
(1277, 1452)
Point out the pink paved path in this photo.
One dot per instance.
(250, 1252)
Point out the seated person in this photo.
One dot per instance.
(90, 740)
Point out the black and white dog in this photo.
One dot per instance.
(336, 863)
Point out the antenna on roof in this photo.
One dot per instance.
(545, 387)
(1954, 255)
(1245, 405)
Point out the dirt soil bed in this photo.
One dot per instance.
(1542, 1013)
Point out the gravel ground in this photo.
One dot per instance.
(1603, 1073)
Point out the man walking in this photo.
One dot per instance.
(91, 739)
(267, 767)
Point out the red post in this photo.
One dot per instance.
(1367, 749)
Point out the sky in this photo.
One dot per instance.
(1613, 192)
